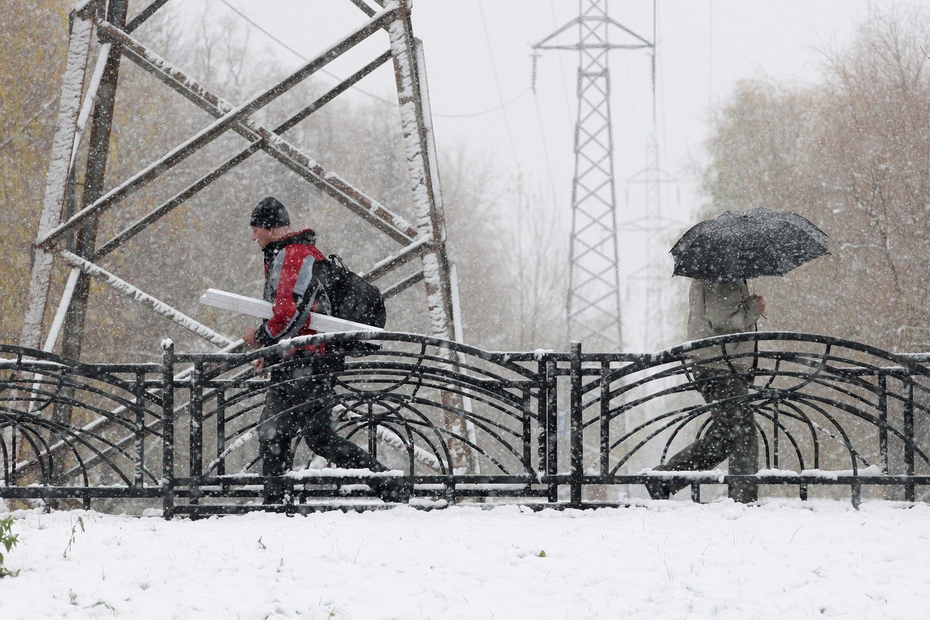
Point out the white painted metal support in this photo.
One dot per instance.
(412, 93)
(57, 180)
(474, 464)
(62, 310)
(55, 329)
(89, 99)
(141, 296)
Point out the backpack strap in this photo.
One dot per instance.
(337, 260)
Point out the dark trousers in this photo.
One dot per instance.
(299, 401)
(731, 434)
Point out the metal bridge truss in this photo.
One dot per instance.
(835, 419)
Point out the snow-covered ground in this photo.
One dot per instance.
(781, 559)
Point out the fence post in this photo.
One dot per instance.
(167, 415)
(542, 415)
(196, 430)
(552, 427)
(883, 422)
(577, 446)
(139, 431)
(221, 433)
(604, 429)
(909, 489)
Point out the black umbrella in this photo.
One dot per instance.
(739, 245)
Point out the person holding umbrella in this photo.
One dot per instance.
(721, 254)
(718, 308)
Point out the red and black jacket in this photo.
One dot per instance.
(293, 289)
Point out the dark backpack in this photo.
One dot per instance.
(352, 298)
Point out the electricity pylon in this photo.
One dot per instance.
(593, 302)
(101, 36)
(655, 276)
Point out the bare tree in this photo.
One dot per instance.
(851, 153)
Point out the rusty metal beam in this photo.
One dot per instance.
(336, 90)
(58, 172)
(144, 14)
(421, 167)
(389, 264)
(403, 285)
(425, 241)
(218, 127)
(94, 177)
(137, 294)
(412, 94)
(376, 214)
(177, 200)
(204, 181)
(367, 10)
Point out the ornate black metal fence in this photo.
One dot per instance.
(545, 428)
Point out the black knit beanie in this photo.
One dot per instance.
(269, 213)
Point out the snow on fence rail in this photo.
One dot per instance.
(833, 417)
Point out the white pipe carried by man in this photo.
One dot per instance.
(263, 310)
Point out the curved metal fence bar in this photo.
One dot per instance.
(828, 412)
(62, 422)
(833, 417)
(389, 401)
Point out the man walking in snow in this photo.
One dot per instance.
(718, 308)
(300, 395)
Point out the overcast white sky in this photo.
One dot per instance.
(478, 60)
(478, 57)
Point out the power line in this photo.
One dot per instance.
(361, 90)
(298, 54)
(542, 134)
(482, 113)
(568, 105)
(497, 84)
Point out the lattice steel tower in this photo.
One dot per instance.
(651, 283)
(102, 35)
(593, 304)
(91, 102)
